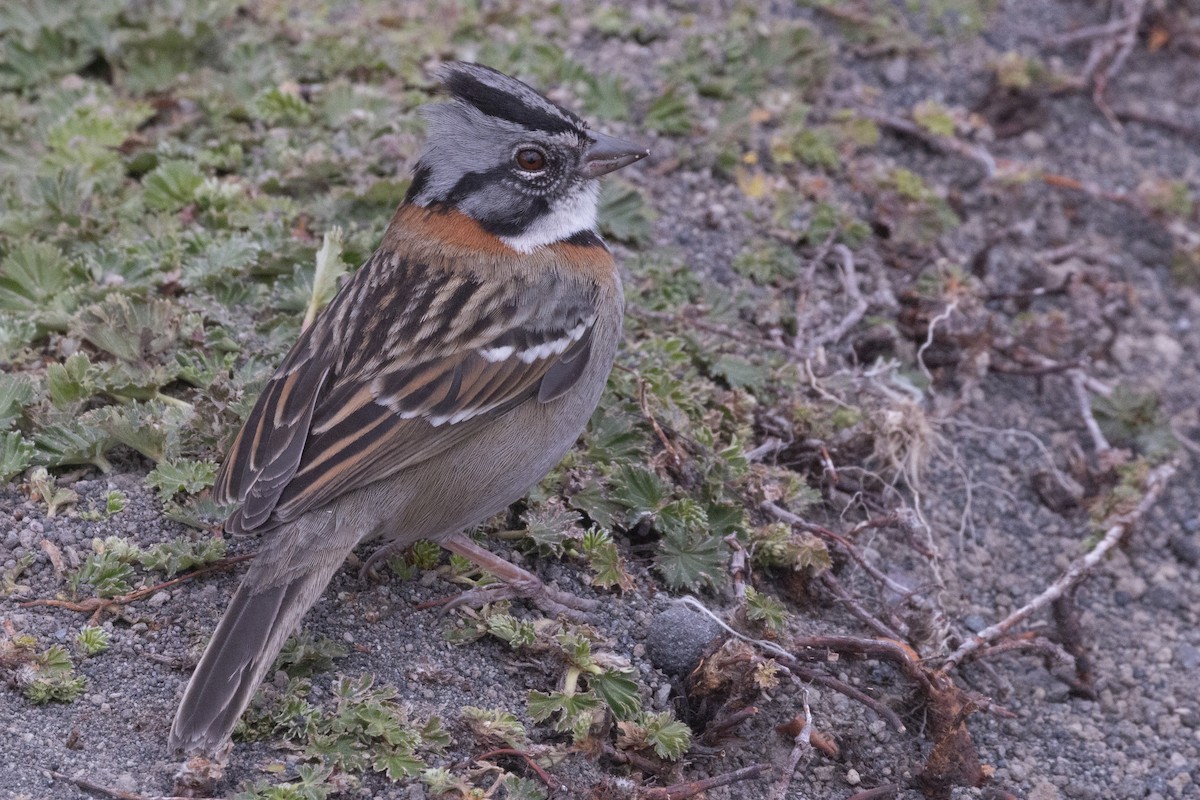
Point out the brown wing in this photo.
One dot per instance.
(425, 358)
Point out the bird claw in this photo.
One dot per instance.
(369, 571)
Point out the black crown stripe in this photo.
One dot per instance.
(508, 106)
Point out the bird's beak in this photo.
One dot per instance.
(609, 153)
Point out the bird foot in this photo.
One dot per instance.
(369, 571)
(553, 601)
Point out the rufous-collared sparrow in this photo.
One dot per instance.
(448, 375)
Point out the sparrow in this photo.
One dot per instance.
(455, 369)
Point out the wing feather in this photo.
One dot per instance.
(319, 429)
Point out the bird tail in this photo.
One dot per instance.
(288, 575)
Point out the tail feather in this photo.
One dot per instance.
(286, 579)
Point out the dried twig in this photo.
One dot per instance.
(879, 792)
(804, 282)
(1070, 633)
(719, 727)
(788, 664)
(105, 791)
(1111, 44)
(1085, 410)
(681, 791)
(800, 747)
(945, 144)
(1174, 126)
(854, 607)
(850, 287)
(668, 445)
(546, 777)
(1085, 33)
(898, 652)
(841, 687)
(792, 519)
(768, 448)
(1079, 569)
(98, 605)
(946, 313)
(1024, 643)
(737, 567)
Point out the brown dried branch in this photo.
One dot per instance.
(945, 144)
(879, 792)
(737, 567)
(682, 791)
(857, 695)
(721, 726)
(841, 541)
(1078, 378)
(1070, 633)
(800, 747)
(854, 607)
(96, 606)
(892, 650)
(105, 791)
(1026, 642)
(545, 777)
(1079, 569)
(853, 293)
(804, 282)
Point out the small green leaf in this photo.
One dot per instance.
(507, 628)
(765, 609)
(16, 392)
(619, 691)
(639, 490)
(689, 553)
(740, 373)
(70, 382)
(329, 268)
(115, 502)
(550, 527)
(624, 214)
(934, 117)
(543, 706)
(182, 475)
(172, 185)
(496, 724)
(92, 640)
(398, 764)
(278, 106)
(182, 554)
(605, 560)
(522, 789)
(131, 329)
(52, 679)
(37, 280)
(44, 487)
(106, 571)
(669, 737)
(670, 113)
(16, 455)
(79, 440)
(594, 500)
(606, 96)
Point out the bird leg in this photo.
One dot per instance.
(516, 582)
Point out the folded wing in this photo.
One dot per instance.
(427, 358)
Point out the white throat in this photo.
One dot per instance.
(571, 214)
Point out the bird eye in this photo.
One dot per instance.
(531, 159)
